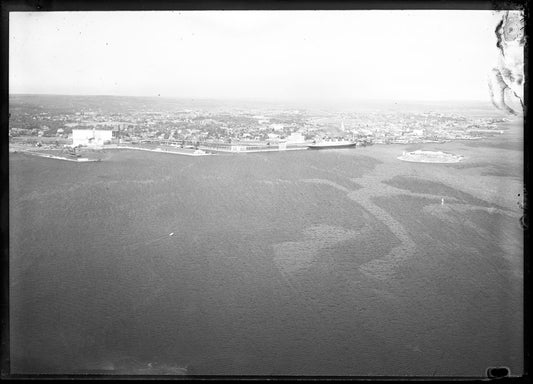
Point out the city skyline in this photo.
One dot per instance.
(309, 56)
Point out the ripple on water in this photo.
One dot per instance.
(292, 256)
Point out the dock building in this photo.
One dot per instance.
(91, 137)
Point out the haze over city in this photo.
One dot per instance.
(279, 55)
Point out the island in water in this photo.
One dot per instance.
(421, 156)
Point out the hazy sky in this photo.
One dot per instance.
(308, 55)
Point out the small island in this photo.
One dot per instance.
(420, 156)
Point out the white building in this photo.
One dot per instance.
(96, 137)
(296, 137)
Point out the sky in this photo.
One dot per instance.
(271, 55)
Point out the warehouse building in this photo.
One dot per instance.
(91, 137)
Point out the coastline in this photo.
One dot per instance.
(159, 151)
(48, 156)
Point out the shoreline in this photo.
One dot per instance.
(48, 156)
(24, 148)
(160, 151)
(260, 150)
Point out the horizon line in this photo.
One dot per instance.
(263, 99)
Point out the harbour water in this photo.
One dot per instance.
(338, 262)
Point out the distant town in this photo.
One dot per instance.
(211, 127)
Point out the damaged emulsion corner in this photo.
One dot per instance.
(507, 77)
(498, 372)
(522, 204)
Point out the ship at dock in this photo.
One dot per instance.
(330, 144)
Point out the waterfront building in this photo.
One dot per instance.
(295, 138)
(88, 137)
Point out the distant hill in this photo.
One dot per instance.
(117, 104)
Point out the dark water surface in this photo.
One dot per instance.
(342, 262)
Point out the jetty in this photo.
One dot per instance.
(49, 156)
